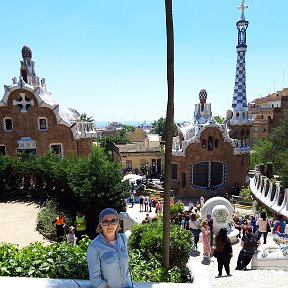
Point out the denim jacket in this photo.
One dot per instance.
(108, 263)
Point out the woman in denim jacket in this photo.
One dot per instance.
(107, 254)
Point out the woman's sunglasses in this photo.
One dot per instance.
(112, 222)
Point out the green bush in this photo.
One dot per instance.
(151, 270)
(246, 194)
(60, 260)
(45, 217)
(176, 208)
(145, 245)
(52, 261)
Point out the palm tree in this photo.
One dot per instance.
(169, 133)
(85, 118)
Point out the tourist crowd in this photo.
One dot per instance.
(251, 230)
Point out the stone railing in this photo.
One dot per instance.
(242, 144)
(269, 193)
(26, 282)
(83, 129)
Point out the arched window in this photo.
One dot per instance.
(210, 143)
(203, 143)
(207, 174)
(216, 143)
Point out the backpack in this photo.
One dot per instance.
(280, 226)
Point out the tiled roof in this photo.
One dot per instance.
(267, 98)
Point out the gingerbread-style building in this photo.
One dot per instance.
(33, 122)
(209, 158)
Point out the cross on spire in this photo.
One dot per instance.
(243, 6)
(23, 103)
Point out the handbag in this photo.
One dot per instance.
(268, 227)
(198, 228)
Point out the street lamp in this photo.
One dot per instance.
(146, 171)
(284, 77)
(274, 84)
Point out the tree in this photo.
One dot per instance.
(107, 142)
(128, 128)
(85, 118)
(94, 176)
(97, 183)
(219, 119)
(275, 150)
(159, 127)
(169, 133)
(260, 153)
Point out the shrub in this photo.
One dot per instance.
(60, 260)
(52, 261)
(45, 217)
(245, 193)
(145, 245)
(176, 208)
(150, 270)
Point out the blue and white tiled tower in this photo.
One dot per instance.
(239, 102)
(239, 119)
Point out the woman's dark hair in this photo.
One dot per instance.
(220, 239)
(223, 233)
(193, 217)
(263, 215)
(280, 217)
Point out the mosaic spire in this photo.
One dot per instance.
(239, 103)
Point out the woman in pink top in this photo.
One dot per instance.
(159, 208)
(206, 239)
(262, 226)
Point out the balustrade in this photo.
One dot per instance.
(269, 193)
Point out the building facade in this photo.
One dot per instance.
(32, 121)
(209, 159)
(141, 157)
(267, 113)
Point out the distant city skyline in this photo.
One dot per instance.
(108, 59)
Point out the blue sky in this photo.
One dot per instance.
(108, 58)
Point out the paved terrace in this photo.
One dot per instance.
(239, 279)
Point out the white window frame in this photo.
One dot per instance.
(39, 127)
(4, 123)
(59, 144)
